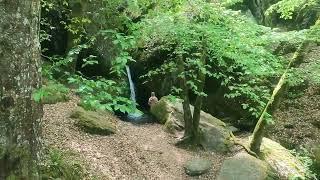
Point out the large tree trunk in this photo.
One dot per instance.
(20, 116)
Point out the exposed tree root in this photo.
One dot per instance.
(237, 142)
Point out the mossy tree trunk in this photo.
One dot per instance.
(258, 132)
(20, 116)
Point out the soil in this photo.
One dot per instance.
(136, 151)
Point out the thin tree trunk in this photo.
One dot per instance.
(20, 116)
(199, 99)
(260, 126)
(188, 132)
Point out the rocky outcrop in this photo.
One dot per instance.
(277, 163)
(281, 160)
(283, 163)
(102, 123)
(215, 135)
(302, 19)
(243, 166)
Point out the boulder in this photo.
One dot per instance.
(196, 167)
(215, 136)
(243, 166)
(102, 123)
(281, 160)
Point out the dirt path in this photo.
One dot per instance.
(135, 152)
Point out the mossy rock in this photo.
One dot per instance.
(54, 93)
(215, 136)
(161, 110)
(102, 123)
(280, 159)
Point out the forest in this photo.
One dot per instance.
(160, 89)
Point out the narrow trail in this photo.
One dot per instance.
(134, 152)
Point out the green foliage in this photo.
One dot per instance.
(102, 94)
(234, 51)
(59, 68)
(229, 3)
(287, 8)
(305, 157)
(124, 44)
(52, 92)
(60, 165)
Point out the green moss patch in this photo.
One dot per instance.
(102, 123)
(54, 92)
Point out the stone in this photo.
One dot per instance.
(243, 166)
(161, 110)
(280, 158)
(102, 123)
(215, 136)
(196, 167)
(285, 164)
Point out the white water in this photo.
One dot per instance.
(132, 91)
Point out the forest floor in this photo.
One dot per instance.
(142, 151)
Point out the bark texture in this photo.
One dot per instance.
(20, 116)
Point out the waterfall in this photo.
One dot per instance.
(132, 92)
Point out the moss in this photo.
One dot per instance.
(169, 126)
(102, 123)
(160, 111)
(54, 92)
(281, 159)
(60, 164)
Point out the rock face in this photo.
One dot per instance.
(279, 158)
(244, 167)
(102, 123)
(284, 164)
(302, 20)
(196, 167)
(215, 134)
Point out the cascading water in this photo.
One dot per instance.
(132, 91)
(137, 114)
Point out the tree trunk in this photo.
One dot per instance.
(260, 127)
(199, 99)
(188, 132)
(20, 116)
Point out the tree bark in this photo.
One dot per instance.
(258, 132)
(188, 132)
(199, 99)
(20, 116)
